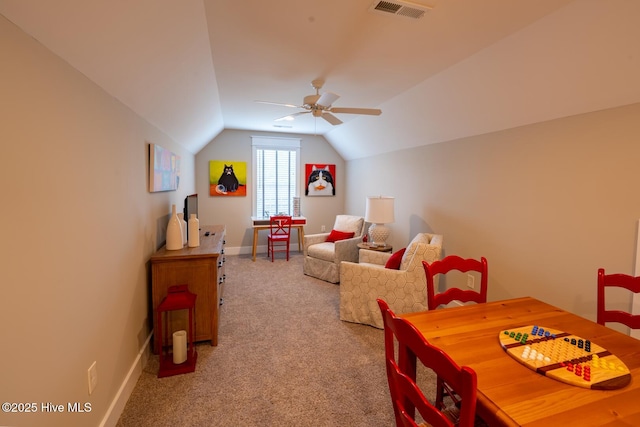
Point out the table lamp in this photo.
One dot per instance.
(379, 211)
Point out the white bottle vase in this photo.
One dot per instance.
(174, 231)
(183, 223)
(194, 231)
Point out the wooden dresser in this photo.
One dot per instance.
(202, 269)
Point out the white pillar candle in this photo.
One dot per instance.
(179, 347)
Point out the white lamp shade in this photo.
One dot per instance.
(379, 210)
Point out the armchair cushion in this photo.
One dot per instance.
(394, 260)
(336, 235)
(373, 257)
(413, 246)
(349, 223)
(325, 251)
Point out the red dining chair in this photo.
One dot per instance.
(434, 300)
(279, 234)
(450, 263)
(406, 396)
(630, 283)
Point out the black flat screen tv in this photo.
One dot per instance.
(190, 207)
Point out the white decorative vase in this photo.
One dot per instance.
(194, 231)
(183, 223)
(174, 231)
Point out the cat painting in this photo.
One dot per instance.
(320, 182)
(227, 178)
(228, 182)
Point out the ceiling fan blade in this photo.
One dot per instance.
(327, 98)
(279, 103)
(291, 116)
(331, 118)
(367, 111)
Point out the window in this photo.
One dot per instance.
(276, 168)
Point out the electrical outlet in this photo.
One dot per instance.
(323, 228)
(471, 281)
(92, 377)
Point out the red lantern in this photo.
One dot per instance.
(178, 298)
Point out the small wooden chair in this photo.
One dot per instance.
(406, 396)
(279, 234)
(630, 283)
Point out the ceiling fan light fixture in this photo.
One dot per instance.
(320, 105)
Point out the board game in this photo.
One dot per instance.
(565, 357)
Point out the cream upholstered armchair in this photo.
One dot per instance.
(322, 259)
(403, 289)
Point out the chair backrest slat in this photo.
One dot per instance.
(280, 224)
(450, 263)
(617, 280)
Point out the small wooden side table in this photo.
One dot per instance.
(375, 248)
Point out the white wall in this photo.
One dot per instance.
(78, 227)
(235, 212)
(579, 59)
(547, 204)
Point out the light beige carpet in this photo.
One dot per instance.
(283, 359)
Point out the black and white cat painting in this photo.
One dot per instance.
(228, 182)
(320, 182)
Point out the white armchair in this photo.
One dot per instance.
(322, 259)
(404, 289)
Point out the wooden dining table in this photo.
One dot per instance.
(509, 393)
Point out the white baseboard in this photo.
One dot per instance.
(237, 250)
(126, 388)
(242, 250)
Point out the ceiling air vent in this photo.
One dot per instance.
(400, 8)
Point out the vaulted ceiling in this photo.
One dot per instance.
(195, 67)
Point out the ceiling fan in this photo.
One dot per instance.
(320, 105)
